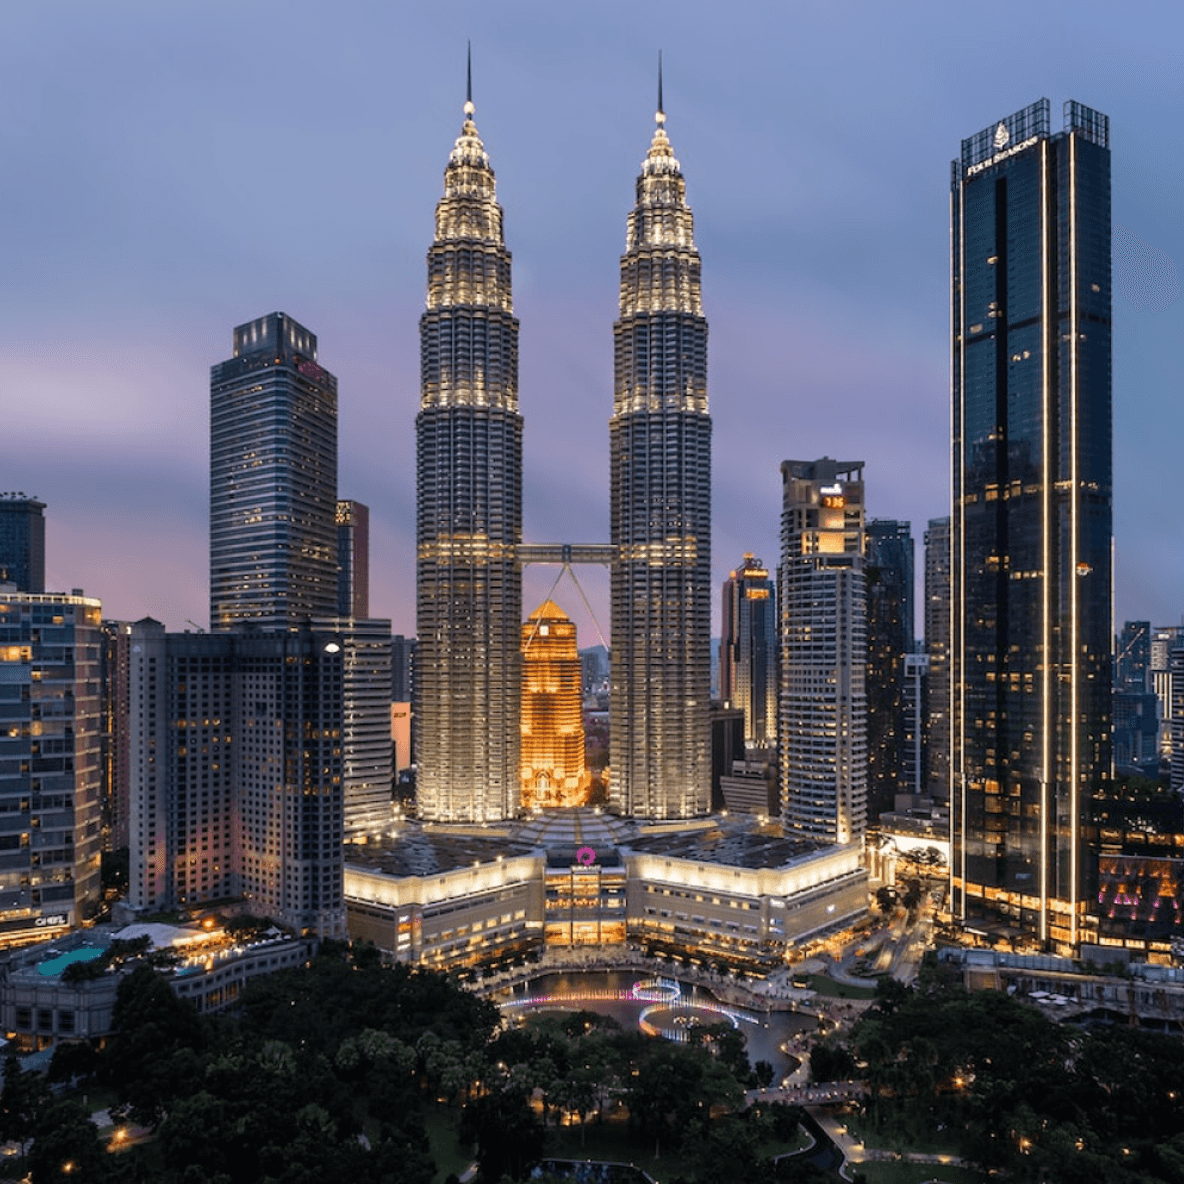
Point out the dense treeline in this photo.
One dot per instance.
(321, 1076)
(1042, 1100)
(326, 1074)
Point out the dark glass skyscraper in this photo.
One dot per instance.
(1031, 622)
(888, 573)
(936, 707)
(353, 559)
(660, 443)
(1133, 657)
(469, 516)
(748, 651)
(273, 479)
(22, 542)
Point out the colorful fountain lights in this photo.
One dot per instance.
(662, 994)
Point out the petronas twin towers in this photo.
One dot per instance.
(469, 517)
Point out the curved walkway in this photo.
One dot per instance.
(854, 1152)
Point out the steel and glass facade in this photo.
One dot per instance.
(469, 506)
(50, 775)
(237, 770)
(1031, 619)
(888, 576)
(353, 559)
(937, 645)
(748, 651)
(22, 542)
(660, 444)
(823, 606)
(367, 769)
(273, 479)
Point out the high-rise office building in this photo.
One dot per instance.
(115, 732)
(273, 479)
(1031, 628)
(402, 669)
(183, 812)
(353, 559)
(1137, 710)
(936, 705)
(553, 770)
(290, 835)
(660, 444)
(1176, 760)
(50, 776)
(22, 542)
(469, 498)
(237, 770)
(367, 769)
(916, 674)
(748, 651)
(823, 607)
(888, 576)
(1164, 640)
(1133, 657)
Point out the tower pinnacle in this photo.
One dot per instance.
(469, 108)
(660, 117)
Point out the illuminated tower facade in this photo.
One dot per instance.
(823, 605)
(1031, 627)
(748, 651)
(660, 442)
(553, 772)
(469, 506)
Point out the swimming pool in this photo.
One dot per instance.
(58, 964)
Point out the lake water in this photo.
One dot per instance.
(764, 1033)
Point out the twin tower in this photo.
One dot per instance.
(470, 551)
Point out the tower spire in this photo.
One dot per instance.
(469, 108)
(660, 117)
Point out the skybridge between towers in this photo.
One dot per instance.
(566, 555)
(604, 554)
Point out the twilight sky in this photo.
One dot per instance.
(172, 170)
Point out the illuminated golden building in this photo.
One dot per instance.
(553, 772)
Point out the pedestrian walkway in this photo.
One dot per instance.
(854, 1151)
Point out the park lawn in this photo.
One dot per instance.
(918, 1173)
(771, 1147)
(927, 1143)
(827, 986)
(615, 1142)
(441, 1123)
(97, 1097)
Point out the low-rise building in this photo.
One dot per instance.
(1065, 988)
(40, 1005)
(715, 889)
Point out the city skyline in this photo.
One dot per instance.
(164, 279)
